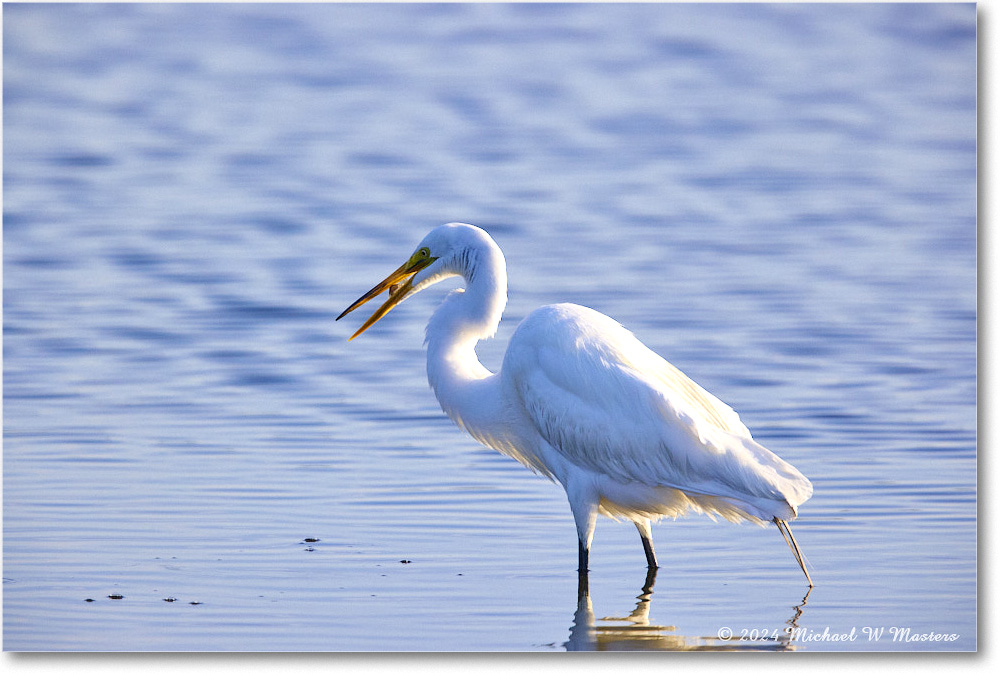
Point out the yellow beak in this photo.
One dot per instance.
(399, 285)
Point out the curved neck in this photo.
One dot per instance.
(463, 319)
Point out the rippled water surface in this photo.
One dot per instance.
(780, 199)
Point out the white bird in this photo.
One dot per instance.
(581, 400)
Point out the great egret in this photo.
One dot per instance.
(580, 400)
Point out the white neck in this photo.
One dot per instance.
(464, 386)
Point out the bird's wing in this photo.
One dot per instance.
(608, 403)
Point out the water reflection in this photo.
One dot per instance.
(636, 632)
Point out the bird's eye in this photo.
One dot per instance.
(424, 252)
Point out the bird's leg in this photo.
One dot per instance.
(647, 546)
(583, 503)
(647, 542)
(789, 538)
(583, 578)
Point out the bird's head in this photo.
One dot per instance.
(443, 253)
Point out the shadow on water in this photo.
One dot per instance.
(636, 632)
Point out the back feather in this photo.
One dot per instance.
(609, 404)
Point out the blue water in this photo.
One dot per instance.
(779, 199)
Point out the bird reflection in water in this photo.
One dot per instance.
(636, 632)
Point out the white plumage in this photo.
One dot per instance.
(580, 400)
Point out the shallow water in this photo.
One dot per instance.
(778, 199)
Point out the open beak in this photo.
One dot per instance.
(399, 285)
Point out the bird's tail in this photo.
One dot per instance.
(786, 533)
